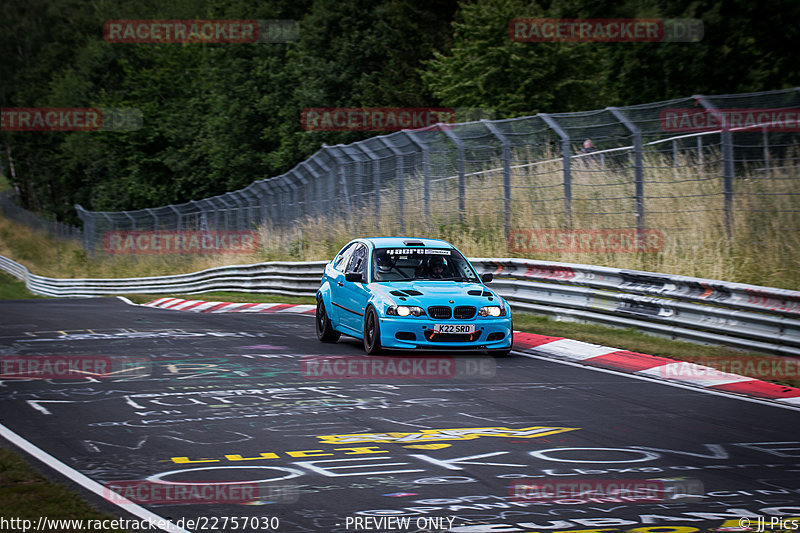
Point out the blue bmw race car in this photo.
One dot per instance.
(410, 294)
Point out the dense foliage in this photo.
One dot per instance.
(219, 116)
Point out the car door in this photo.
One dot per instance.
(336, 275)
(353, 295)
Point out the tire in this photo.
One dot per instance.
(372, 332)
(325, 331)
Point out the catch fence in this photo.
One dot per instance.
(724, 160)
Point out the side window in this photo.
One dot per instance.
(358, 260)
(344, 257)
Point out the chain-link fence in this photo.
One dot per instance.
(54, 228)
(720, 160)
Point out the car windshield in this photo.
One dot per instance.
(406, 264)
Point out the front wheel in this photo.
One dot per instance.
(372, 332)
(325, 331)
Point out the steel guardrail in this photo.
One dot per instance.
(742, 316)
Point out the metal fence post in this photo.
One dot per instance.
(700, 153)
(462, 169)
(88, 227)
(376, 179)
(426, 171)
(281, 202)
(310, 188)
(335, 154)
(178, 217)
(110, 225)
(675, 158)
(252, 199)
(227, 206)
(399, 170)
(354, 187)
(566, 157)
(155, 218)
(263, 194)
(506, 174)
(239, 209)
(765, 142)
(638, 167)
(291, 189)
(726, 137)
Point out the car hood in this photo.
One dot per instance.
(426, 292)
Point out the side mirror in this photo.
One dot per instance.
(487, 277)
(355, 277)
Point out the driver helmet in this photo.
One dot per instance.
(436, 263)
(383, 261)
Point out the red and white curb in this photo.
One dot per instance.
(653, 366)
(584, 353)
(200, 306)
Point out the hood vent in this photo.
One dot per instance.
(479, 293)
(407, 292)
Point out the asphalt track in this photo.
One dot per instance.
(200, 400)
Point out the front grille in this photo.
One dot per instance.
(464, 312)
(440, 312)
(432, 336)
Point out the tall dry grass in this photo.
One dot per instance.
(684, 202)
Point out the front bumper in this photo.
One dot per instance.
(490, 334)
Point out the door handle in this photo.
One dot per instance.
(339, 283)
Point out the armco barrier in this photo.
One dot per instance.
(681, 307)
(278, 277)
(695, 309)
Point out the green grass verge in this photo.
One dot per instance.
(13, 289)
(27, 495)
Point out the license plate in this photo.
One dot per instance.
(454, 328)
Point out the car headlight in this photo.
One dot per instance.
(405, 310)
(492, 310)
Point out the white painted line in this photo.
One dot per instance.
(88, 483)
(575, 350)
(788, 403)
